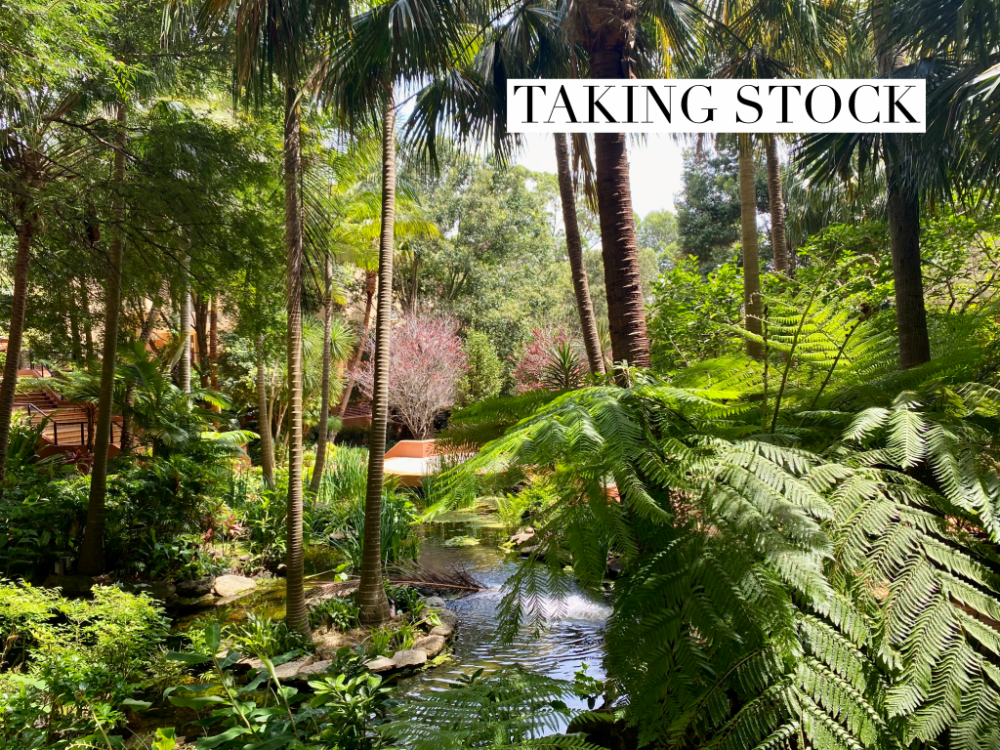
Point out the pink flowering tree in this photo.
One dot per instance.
(553, 359)
(427, 365)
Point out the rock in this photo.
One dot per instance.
(445, 631)
(522, 536)
(432, 645)
(289, 669)
(328, 645)
(71, 586)
(527, 551)
(232, 585)
(162, 590)
(434, 602)
(410, 657)
(317, 667)
(196, 588)
(447, 617)
(382, 664)
(245, 558)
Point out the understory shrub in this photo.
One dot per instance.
(69, 668)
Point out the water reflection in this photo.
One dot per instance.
(574, 635)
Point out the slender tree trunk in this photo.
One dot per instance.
(295, 602)
(370, 280)
(324, 408)
(903, 208)
(184, 366)
(201, 314)
(751, 258)
(144, 336)
(74, 328)
(213, 343)
(371, 594)
(574, 248)
(92, 548)
(264, 418)
(620, 251)
(776, 204)
(88, 330)
(25, 234)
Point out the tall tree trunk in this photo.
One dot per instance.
(751, 259)
(324, 408)
(92, 548)
(371, 594)
(776, 204)
(201, 336)
(903, 208)
(264, 418)
(295, 602)
(25, 234)
(88, 329)
(620, 251)
(370, 280)
(74, 328)
(574, 248)
(184, 365)
(213, 343)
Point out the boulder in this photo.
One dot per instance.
(70, 586)
(445, 631)
(528, 551)
(197, 588)
(381, 664)
(232, 585)
(410, 657)
(447, 617)
(432, 645)
(434, 602)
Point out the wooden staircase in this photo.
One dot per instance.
(67, 426)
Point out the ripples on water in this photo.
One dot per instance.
(575, 634)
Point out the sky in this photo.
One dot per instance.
(655, 168)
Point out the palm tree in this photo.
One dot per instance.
(324, 409)
(776, 205)
(393, 40)
(752, 306)
(272, 40)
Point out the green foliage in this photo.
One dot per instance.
(509, 708)
(827, 578)
(485, 375)
(398, 541)
(71, 667)
(334, 613)
(342, 710)
(262, 636)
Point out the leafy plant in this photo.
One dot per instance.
(510, 708)
(262, 636)
(336, 612)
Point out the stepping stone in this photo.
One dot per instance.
(230, 585)
(445, 631)
(317, 667)
(410, 657)
(288, 670)
(448, 617)
(432, 645)
(382, 664)
(197, 588)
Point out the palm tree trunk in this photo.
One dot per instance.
(903, 208)
(620, 251)
(74, 328)
(184, 366)
(264, 418)
(574, 248)
(92, 548)
(201, 313)
(324, 408)
(776, 204)
(751, 258)
(295, 602)
(25, 234)
(371, 594)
